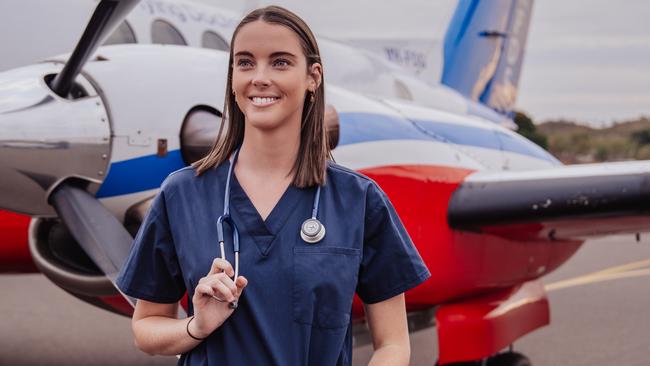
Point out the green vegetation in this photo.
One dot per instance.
(573, 143)
(527, 128)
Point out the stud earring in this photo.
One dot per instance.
(312, 98)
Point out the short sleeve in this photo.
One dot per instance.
(152, 272)
(391, 263)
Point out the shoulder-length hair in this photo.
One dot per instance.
(313, 152)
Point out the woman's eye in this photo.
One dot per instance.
(244, 63)
(281, 63)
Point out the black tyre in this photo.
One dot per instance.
(509, 359)
(502, 359)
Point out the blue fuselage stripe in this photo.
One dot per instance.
(148, 172)
(139, 174)
(366, 127)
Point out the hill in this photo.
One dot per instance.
(573, 143)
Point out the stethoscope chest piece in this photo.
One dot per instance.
(312, 231)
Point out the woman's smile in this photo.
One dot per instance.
(263, 101)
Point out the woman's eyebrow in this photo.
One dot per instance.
(274, 54)
(282, 53)
(244, 53)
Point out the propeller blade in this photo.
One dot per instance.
(107, 16)
(97, 231)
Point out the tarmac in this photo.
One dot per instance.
(599, 299)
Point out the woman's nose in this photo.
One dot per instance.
(261, 79)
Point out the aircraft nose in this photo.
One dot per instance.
(46, 139)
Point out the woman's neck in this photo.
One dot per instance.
(270, 154)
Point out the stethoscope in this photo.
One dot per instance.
(311, 231)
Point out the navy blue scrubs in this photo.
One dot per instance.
(296, 308)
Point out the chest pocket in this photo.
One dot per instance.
(324, 280)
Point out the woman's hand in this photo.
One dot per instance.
(210, 313)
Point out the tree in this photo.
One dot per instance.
(641, 137)
(526, 128)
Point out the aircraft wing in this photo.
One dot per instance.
(564, 202)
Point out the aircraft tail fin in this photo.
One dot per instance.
(484, 49)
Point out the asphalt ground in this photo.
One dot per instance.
(600, 304)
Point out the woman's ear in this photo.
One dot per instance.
(316, 74)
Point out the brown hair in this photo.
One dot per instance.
(313, 152)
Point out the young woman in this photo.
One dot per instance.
(311, 233)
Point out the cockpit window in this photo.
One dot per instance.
(214, 41)
(123, 34)
(164, 33)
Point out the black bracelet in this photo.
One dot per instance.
(187, 328)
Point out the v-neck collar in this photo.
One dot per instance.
(262, 231)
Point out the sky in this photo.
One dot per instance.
(586, 60)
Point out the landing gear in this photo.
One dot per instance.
(502, 359)
(509, 359)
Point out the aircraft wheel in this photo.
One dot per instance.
(502, 359)
(509, 359)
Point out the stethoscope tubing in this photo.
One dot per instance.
(227, 219)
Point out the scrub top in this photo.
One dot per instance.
(296, 308)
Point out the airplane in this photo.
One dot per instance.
(197, 25)
(86, 142)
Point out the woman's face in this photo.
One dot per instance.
(270, 76)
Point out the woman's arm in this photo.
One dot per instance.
(157, 331)
(389, 331)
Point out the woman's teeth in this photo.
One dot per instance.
(263, 101)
